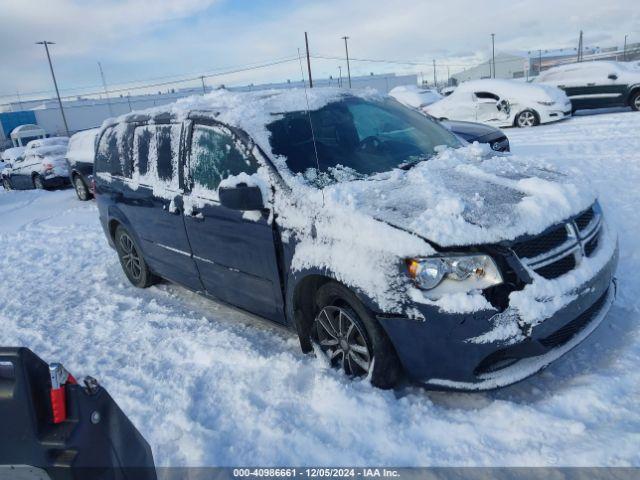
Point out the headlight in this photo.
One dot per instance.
(547, 104)
(454, 273)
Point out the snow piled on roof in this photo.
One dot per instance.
(82, 146)
(513, 89)
(43, 142)
(414, 96)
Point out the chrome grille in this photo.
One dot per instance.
(559, 250)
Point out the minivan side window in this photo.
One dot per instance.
(216, 155)
(114, 153)
(156, 150)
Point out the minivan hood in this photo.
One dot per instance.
(463, 197)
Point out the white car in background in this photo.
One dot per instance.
(503, 103)
(415, 96)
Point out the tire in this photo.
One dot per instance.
(352, 339)
(6, 184)
(131, 260)
(80, 186)
(635, 101)
(38, 182)
(527, 118)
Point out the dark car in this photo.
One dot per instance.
(38, 167)
(478, 132)
(80, 156)
(365, 226)
(596, 84)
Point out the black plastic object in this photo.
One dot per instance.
(97, 441)
(241, 197)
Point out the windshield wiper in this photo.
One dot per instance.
(412, 163)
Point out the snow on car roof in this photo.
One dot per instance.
(512, 88)
(249, 111)
(48, 150)
(82, 146)
(42, 142)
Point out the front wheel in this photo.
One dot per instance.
(132, 261)
(82, 191)
(351, 339)
(527, 118)
(38, 182)
(635, 101)
(6, 184)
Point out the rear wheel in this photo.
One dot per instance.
(131, 260)
(352, 339)
(82, 191)
(38, 182)
(6, 184)
(527, 118)
(635, 101)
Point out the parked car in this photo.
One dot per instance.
(80, 156)
(596, 84)
(414, 96)
(468, 131)
(363, 225)
(503, 103)
(41, 168)
(9, 156)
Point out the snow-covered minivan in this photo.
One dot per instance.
(364, 226)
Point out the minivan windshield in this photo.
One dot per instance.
(355, 138)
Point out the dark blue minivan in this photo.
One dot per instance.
(364, 226)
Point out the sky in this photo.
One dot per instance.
(149, 41)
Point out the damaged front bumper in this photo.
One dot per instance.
(443, 351)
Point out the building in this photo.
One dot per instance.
(84, 113)
(508, 65)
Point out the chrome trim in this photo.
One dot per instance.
(182, 252)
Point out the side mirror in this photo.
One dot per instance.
(241, 197)
(612, 76)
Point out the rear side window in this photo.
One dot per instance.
(115, 151)
(156, 155)
(487, 95)
(216, 155)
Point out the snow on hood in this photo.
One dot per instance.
(461, 197)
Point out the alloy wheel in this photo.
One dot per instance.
(81, 190)
(636, 102)
(342, 341)
(130, 257)
(526, 119)
(38, 183)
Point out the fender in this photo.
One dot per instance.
(114, 213)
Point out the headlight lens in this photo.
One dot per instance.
(454, 273)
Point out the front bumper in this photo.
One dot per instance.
(555, 114)
(439, 352)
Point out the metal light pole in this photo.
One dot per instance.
(55, 84)
(435, 79)
(624, 54)
(346, 49)
(106, 93)
(306, 44)
(493, 53)
(204, 87)
(340, 76)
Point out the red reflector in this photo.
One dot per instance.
(59, 404)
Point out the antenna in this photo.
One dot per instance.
(313, 136)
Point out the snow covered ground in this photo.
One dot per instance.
(208, 385)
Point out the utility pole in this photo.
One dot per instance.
(435, 80)
(448, 76)
(306, 43)
(19, 99)
(106, 93)
(340, 76)
(204, 88)
(580, 48)
(539, 61)
(55, 84)
(493, 53)
(129, 101)
(624, 54)
(346, 49)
